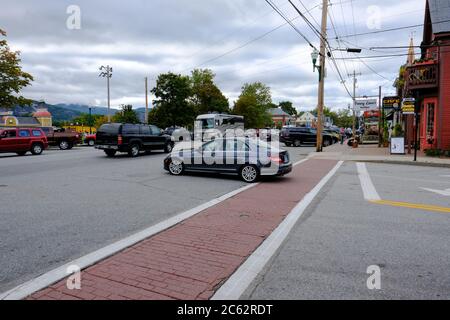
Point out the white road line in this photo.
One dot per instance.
(370, 193)
(53, 276)
(236, 285)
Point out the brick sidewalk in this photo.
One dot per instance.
(192, 259)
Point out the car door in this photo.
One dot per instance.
(157, 138)
(23, 140)
(8, 143)
(147, 137)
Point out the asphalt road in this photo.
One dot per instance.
(64, 204)
(327, 254)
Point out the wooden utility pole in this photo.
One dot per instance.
(321, 98)
(146, 101)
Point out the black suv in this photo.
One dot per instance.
(131, 139)
(298, 136)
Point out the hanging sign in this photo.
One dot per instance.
(409, 106)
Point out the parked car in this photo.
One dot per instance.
(90, 139)
(335, 135)
(62, 138)
(297, 136)
(248, 158)
(178, 134)
(131, 139)
(23, 140)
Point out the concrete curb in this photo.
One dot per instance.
(407, 163)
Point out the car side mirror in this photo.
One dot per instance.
(3, 135)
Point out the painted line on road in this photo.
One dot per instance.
(370, 193)
(236, 285)
(412, 206)
(45, 280)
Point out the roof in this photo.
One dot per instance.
(27, 121)
(440, 15)
(277, 112)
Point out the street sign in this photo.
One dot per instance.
(390, 103)
(409, 106)
(366, 104)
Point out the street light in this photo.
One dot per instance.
(107, 73)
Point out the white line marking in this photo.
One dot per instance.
(55, 275)
(236, 285)
(370, 193)
(445, 193)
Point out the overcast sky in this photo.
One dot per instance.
(140, 38)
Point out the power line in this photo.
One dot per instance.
(390, 30)
(276, 9)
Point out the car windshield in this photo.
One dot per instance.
(205, 124)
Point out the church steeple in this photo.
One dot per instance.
(411, 53)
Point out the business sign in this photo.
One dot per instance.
(391, 103)
(409, 106)
(397, 145)
(366, 104)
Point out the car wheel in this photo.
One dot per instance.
(91, 143)
(326, 143)
(110, 153)
(168, 148)
(36, 149)
(64, 145)
(288, 144)
(297, 143)
(21, 154)
(249, 173)
(134, 151)
(176, 167)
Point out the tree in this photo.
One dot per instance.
(126, 115)
(344, 119)
(288, 107)
(206, 96)
(12, 78)
(253, 104)
(87, 120)
(172, 105)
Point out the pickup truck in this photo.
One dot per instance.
(62, 138)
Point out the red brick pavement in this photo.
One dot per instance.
(192, 259)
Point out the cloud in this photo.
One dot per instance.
(144, 38)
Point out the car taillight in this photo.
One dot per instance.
(119, 140)
(276, 159)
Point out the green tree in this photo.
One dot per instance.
(126, 115)
(206, 96)
(344, 119)
(87, 120)
(253, 104)
(12, 78)
(172, 105)
(288, 107)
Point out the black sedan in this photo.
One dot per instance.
(248, 158)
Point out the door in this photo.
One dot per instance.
(147, 137)
(157, 139)
(23, 140)
(9, 143)
(428, 130)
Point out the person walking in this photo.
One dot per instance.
(342, 135)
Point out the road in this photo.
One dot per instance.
(341, 234)
(64, 204)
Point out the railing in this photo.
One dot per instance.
(422, 76)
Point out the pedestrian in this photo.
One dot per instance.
(342, 135)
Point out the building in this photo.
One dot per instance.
(280, 118)
(40, 118)
(307, 120)
(428, 79)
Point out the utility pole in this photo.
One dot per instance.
(355, 81)
(321, 93)
(146, 100)
(107, 73)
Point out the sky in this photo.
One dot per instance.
(234, 38)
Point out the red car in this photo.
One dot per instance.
(90, 139)
(22, 140)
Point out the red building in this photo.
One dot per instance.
(429, 77)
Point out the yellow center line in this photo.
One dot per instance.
(412, 205)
